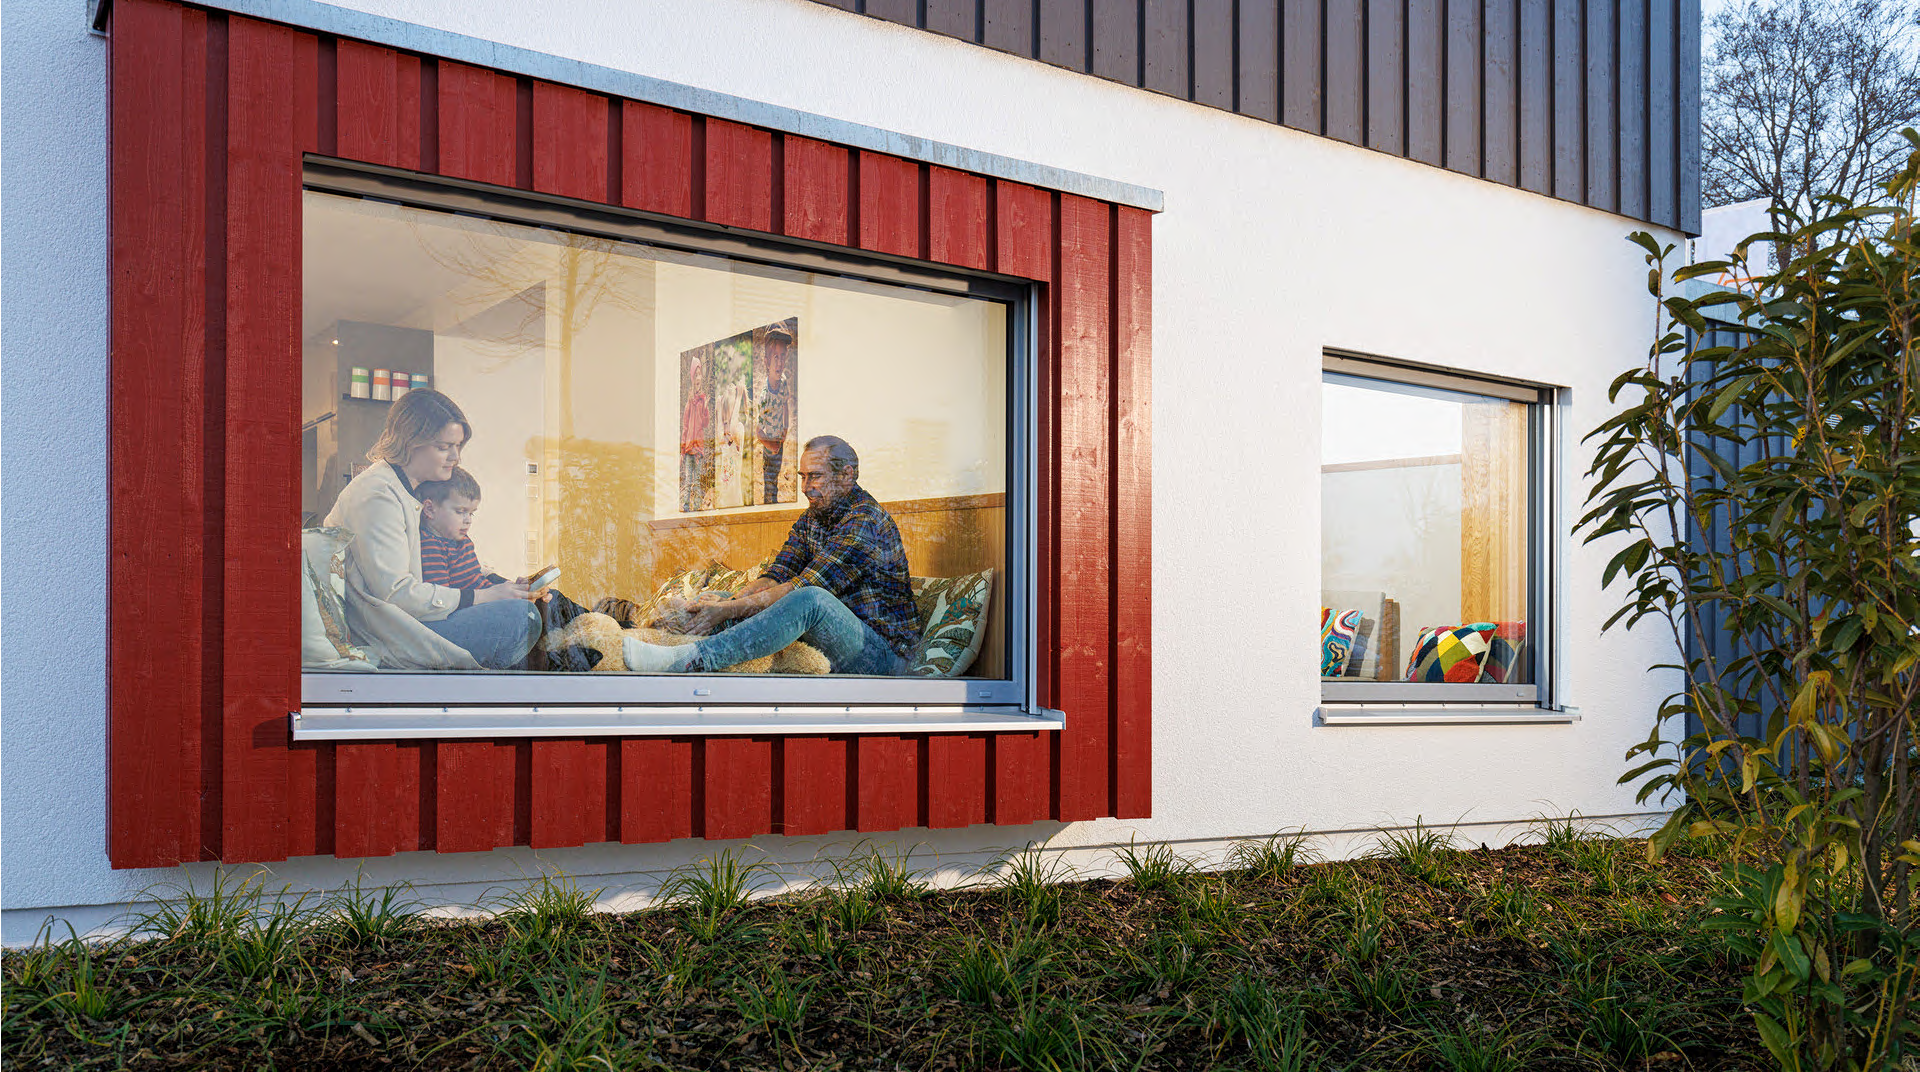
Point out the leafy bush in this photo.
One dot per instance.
(1773, 487)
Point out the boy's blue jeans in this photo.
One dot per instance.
(810, 614)
(498, 635)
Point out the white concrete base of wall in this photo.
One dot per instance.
(787, 872)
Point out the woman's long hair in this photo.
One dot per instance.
(414, 420)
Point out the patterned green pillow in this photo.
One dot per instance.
(953, 622)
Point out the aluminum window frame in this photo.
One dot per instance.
(1543, 490)
(510, 704)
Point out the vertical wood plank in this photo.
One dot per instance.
(814, 783)
(738, 787)
(1687, 117)
(814, 191)
(1164, 48)
(887, 783)
(1603, 191)
(561, 809)
(889, 204)
(569, 142)
(1213, 80)
(157, 98)
(1084, 519)
(1465, 71)
(657, 789)
(1301, 84)
(377, 798)
(656, 174)
(958, 217)
(1663, 135)
(1259, 60)
(374, 86)
(955, 18)
(739, 167)
(904, 12)
(1570, 74)
(1426, 71)
(306, 92)
(261, 660)
(310, 796)
(1020, 777)
(1063, 33)
(1008, 26)
(956, 779)
(1632, 80)
(476, 109)
(1132, 499)
(1345, 78)
(1023, 220)
(1116, 40)
(474, 784)
(1500, 92)
(1536, 95)
(1386, 76)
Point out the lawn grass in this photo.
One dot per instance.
(1572, 954)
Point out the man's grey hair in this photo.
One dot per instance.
(840, 455)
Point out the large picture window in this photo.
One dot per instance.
(1433, 547)
(555, 458)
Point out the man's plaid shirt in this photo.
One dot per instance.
(852, 549)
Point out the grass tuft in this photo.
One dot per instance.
(1155, 867)
(1269, 859)
(712, 890)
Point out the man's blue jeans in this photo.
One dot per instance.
(810, 614)
(498, 635)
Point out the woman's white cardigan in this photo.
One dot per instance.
(386, 599)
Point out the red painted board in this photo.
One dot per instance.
(157, 69)
(377, 801)
(738, 791)
(562, 794)
(1023, 221)
(959, 218)
(739, 172)
(814, 192)
(814, 782)
(569, 142)
(306, 92)
(378, 105)
(956, 779)
(1133, 517)
(890, 218)
(477, 116)
(310, 793)
(1084, 513)
(887, 783)
(656, 172)
(1022, 777)
(656, 789)
(260, 649)
(474, 786)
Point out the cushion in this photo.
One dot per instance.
(1337, 630)
(1363, 661)
(1364, 651)
(953, 619)
(324, 639)
(1449, 653)
(1505, 648)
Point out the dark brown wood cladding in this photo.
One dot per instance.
(1596, 102)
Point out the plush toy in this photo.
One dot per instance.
(596, 642)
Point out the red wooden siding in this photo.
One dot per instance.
(210, 115)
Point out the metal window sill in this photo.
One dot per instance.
(390, 723)
(1441, 715)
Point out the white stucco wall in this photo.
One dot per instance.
(1269, 235)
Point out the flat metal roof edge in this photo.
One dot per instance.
(411, 37)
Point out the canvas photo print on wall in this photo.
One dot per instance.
(739, 419)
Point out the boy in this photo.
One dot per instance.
(446, 552)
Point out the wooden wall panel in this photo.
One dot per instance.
(211, 116)
(1500, 91)
(1570, 73)
(1008, 26)
(1386, 74)
(1603, 187)
(1164, 47)
(1302, 81)
(1212, 51)
(1466, 76)
(157, 744)
(1063, 33)
(1663, 123)
(955, 18)
(1535, 137)
(1259, 66)
(1116, 41)
(1426, 80)
(1632, 135)
(1344, 75)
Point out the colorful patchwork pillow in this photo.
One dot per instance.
(1505, 648)
(1337, 629)
(953, 622)
(1449, 653)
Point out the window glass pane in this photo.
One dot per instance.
(1425, 534)
(639, 420)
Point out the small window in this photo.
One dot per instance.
(667, 433)
(1433, 496)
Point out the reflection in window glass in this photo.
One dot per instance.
(1425, 544)
(530, 450)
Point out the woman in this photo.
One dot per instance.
(408, 622)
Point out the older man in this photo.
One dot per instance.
(840, 584)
